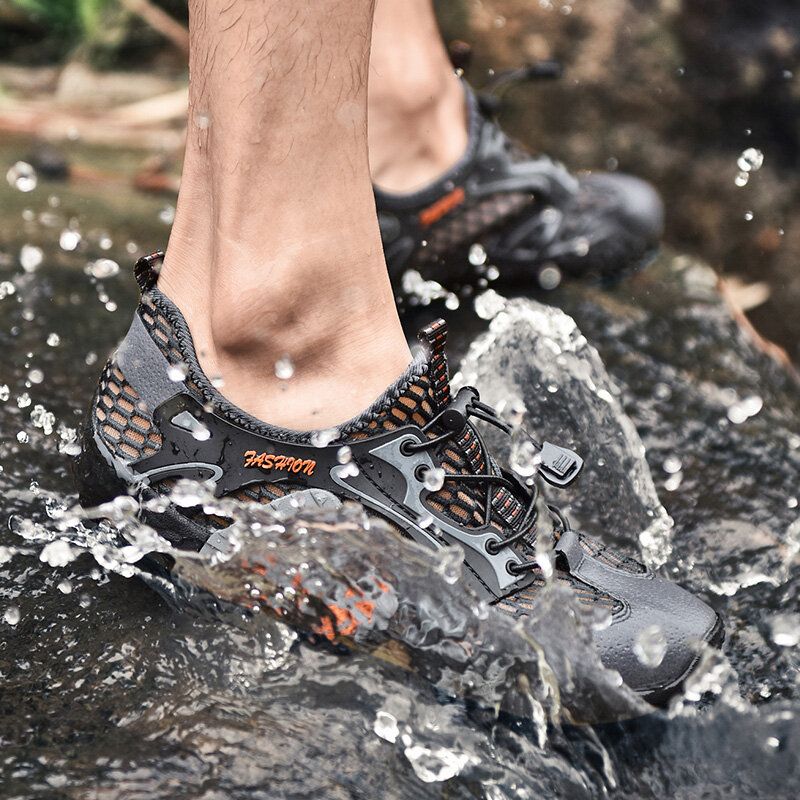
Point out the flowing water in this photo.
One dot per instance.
(114, 685)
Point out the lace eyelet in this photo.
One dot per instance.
(420, 472)
(512, 569)
(407, 447)
(492, 547)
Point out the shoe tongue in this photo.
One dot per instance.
(463, 454)
(418, 398)
(434, 339)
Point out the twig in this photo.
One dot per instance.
(160, 21)
(774, 351)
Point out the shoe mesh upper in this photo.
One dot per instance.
(601, 552)
(124, 422)
(128, 430)
(465, 225)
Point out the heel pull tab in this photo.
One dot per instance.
(146, 270)
(434, 339)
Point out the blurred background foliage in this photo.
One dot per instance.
(105, 33)
(672, 90)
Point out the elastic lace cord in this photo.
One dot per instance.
(527, 525)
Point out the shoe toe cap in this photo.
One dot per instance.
(658, 631)
(657, 640)
(633, 202)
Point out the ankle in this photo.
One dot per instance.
(417, 130)
(278, 342)
(305, 377)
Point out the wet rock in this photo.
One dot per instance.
(534, 356)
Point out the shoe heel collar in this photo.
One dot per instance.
(146, 270)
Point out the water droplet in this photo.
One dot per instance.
(744, 409)
(188, 493)
(748, 215)
(416, 287)
(432, 765)
(6, 289)
(69, 239)
(581, 246)
(23, 437)
(525, 457)
(791, 502)
(344, 455)
(5, 393)
(43, 419)
(102, 268)
(750, 160)
(492, 273)
(650, 646)
(284, 368)
(348, 470)
(550, 277)
(477, 255)
(672, 464)
(452, 302)
(30, 257)
(434, 479)
(489, 304)
(514, 411)
(91, 358)
(36, 376)
(386, 726)
(741, 178)
(178, 372)
(450, 564)
(65, 587)
(167, 214)
(53, 340)
(202, 120)
(24, 400)
(22, 177)
(325, 437)
(785, 630)
(773, 742)
(12, 615)
(57, 553)
(662, 391)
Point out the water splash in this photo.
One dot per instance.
(530, 349)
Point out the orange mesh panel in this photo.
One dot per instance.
(467, 223)
(124, 423)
